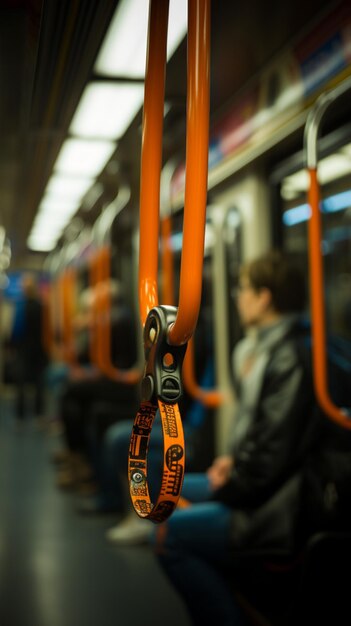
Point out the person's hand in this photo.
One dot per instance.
(220, 470)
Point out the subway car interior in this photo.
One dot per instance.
(151, 151)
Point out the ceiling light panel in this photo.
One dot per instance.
(52, 205)
(106, 110)
(84, 157)
(123, 52)
(68, 187)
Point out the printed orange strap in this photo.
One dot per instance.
(173, 461)
(161, 388)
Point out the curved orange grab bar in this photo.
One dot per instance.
(334, 412)
(103, 322)
(198, 110)
(318, 309)
(151, 155)
(210, 398)
(196, 165)
(66, 286)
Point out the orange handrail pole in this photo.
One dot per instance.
(62, 301)
(151, 155)
(196, 165)
(198, 108)
(127, 376)
(208, 397)
(68, 303)
(319, 355)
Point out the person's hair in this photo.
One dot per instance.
(278, 273)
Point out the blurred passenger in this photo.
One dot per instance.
(87, 387)
(248, 498)
(30, 354)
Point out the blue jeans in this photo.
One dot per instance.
(192, 548)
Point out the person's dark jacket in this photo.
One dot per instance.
(28, 342)
(284, 426)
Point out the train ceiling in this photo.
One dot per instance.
(47, 53)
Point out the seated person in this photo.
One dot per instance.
(87, 386)
(272, 434)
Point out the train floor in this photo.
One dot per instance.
(57, 568)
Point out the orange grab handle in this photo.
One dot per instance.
(317, 308)
(66, 286)
(102, 322)
(210, 398)
(196, 164)
(151, 155)
(315, 257)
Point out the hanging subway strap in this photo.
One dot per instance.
(167, 329)
(173, 465)
(161, 388)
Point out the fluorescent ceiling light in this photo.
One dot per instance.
(106, 110)
(123, 52)
(83, 157)
(41, 244)
(53, 204)
(68, 187)
(54, 213)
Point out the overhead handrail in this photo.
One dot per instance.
(101, 282)
(166, 329)
(335, 413)
(208, 397)
(196, 171)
